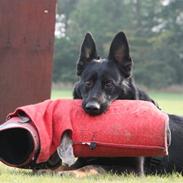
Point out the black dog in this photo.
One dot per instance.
(103, 80)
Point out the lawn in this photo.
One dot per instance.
(169, 102)
(10, 175)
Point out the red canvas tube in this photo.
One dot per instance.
(128, 128)
(19, 142)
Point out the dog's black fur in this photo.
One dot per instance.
(105, 80)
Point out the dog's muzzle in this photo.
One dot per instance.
(92, 107)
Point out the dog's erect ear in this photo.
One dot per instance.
(119, 52)
(88, 52)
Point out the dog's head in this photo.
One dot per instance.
(103, 80)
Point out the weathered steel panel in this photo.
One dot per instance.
(26, 51)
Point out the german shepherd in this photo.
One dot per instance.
(103, 80)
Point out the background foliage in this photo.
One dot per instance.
(154, 30)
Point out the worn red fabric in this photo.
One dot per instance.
(128, 128)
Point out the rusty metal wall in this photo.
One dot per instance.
(26, 51)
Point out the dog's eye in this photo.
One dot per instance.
(108, 84)
(89, 84)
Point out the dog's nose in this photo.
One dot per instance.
(92, 107)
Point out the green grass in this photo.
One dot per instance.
(12, 175)
(169, 102)
(67, 93)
